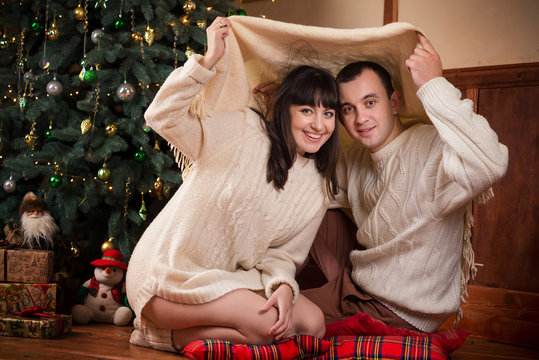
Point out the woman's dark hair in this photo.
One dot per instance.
(305, 85)
(353, 70)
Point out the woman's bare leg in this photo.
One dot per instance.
(235, 317)
(183, 337)
(238, 310)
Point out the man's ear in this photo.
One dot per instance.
(396, 99)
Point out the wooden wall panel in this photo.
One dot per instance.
(500, 314)
(506, 233)
(504, 297)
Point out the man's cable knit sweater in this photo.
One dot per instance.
(410, 201)
(225, 228)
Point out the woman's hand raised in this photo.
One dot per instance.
(216, 34)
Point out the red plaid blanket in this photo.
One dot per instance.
(308, 347)
(383, 347)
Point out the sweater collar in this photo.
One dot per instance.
(390, 148)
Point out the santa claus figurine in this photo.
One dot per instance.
(102, 298)
(37, 224)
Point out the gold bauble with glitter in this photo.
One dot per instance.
(78, 13)
(185, 20)
(189, 6)
(111, 129)
(30, 139)
(107, 245)
(53, 32)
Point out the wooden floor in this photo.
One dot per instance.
(106, 341)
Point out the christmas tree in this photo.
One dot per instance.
(76, 77)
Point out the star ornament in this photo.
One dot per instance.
(102, 3)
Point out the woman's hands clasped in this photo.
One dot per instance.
(216, 34)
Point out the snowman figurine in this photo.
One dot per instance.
(102, 298)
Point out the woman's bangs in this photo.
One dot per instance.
(317, 91)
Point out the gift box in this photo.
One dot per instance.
(28, 266)
(2, 264)
(16, 297)
(38, 325)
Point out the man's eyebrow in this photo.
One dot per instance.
(370, 95)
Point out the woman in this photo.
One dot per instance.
(219, 261)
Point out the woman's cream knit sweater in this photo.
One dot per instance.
(225, 228)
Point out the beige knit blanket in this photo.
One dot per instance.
(260, 50)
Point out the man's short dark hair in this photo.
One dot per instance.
(353, 70)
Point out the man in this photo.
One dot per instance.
(409, 190)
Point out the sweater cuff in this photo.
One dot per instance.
(437, 88)
(196, 71)
(275, 283)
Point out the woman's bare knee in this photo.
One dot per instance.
(315, 325)
(310, 319)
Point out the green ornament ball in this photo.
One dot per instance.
(103, 174)
(90, 76)
(140, 156)
(37, 26)
(48, 135)
(55, 181)
(242, 12)
(119, 24)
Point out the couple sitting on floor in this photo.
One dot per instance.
(220, 260)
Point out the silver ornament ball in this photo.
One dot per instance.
(9, 185)
(97, 35)
(54, 88)
(28, 76)
(125, 92)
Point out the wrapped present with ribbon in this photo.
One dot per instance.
(15, 297)
(35, 322)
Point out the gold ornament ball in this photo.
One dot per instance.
(78, 13)
(111, 129)
(103, 173)
(53, 33)
(31, 139)
(189, 6)
(107, 245)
